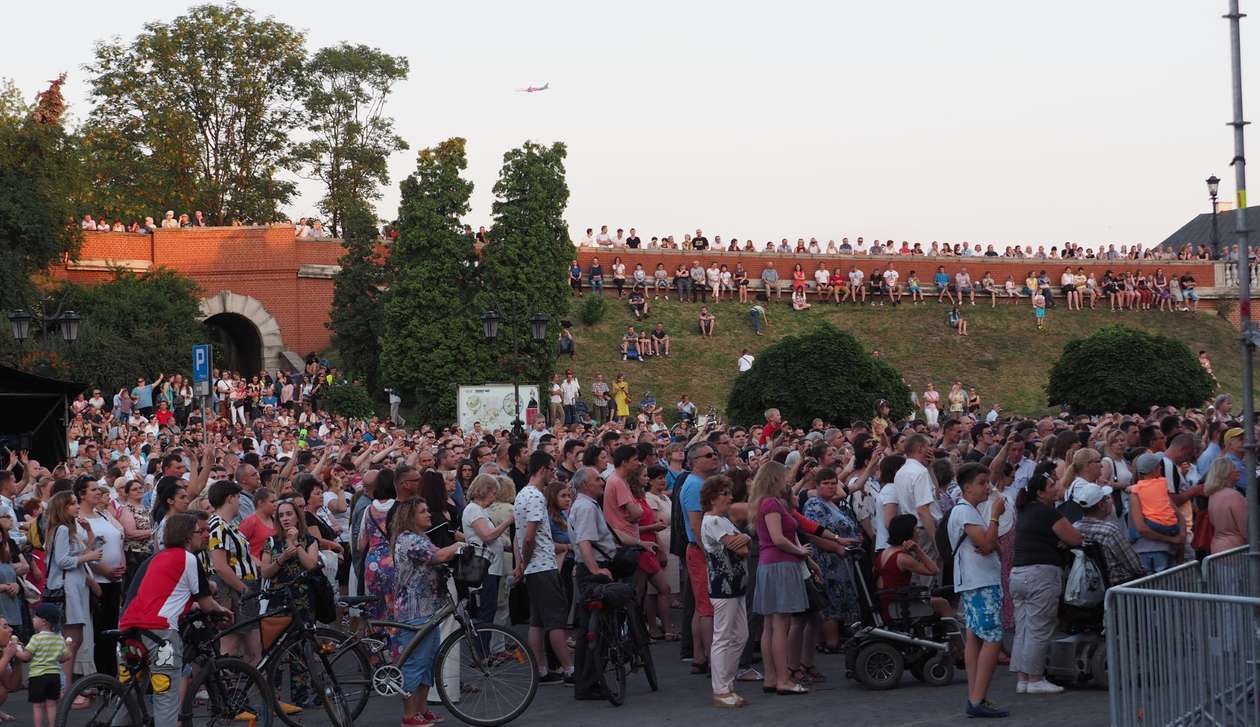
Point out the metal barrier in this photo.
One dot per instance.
(1183, 646)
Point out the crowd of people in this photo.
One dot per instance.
(1069, 251)
(305, 228)
(731, 525)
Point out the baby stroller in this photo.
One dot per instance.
(582, 414)
(880, 650)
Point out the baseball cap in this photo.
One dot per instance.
(1147, 463)
(49, 612)
(1231, 433)
(1088, 494)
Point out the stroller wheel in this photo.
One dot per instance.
(879, 665)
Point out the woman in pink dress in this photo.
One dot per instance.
(931, 405)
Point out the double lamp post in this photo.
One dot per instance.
(537, 332)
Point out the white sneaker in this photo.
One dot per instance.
(1043, 687)
(1021, 687)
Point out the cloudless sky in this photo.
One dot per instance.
(975, 120)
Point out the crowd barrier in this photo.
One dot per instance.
(1183, 646)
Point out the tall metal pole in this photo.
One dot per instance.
(1216, 234)
(1248, 333)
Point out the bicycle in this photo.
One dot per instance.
(234, 692)
(304, 651)
(619, 638)
(485, 674)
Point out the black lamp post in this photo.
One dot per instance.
(1213, 186)
(537, 332)
(68, 323)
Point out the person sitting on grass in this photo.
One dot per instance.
(957, 322)
(638, 303)
(706, 321)
(799, 301)
(645, 344)
(660, 341)
(630, 345)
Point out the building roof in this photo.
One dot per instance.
(1198, 231)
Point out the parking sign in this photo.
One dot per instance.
(201, 363)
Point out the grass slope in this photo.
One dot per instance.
(1005, 358)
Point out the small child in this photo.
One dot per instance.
(1039, 308)
(46, 650)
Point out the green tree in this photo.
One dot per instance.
(38, 176)
(1096, 374)
(432, 340)
(196, 114)
(357, 318)
(347, 86)
(524, 267)
(348, 400)
(133, 325)
(823, 373)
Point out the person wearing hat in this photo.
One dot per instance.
(1099, 526)
(45, 651)
(1233, 448)
(1153, 520)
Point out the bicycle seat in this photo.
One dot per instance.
(348, 601)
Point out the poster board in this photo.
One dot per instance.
(493, 406)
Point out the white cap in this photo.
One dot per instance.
(1088, 494)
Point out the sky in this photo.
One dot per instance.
(977, 120)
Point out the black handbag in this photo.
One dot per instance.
(816, 594)
(624, 560)
(323, 603)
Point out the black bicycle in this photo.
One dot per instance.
(618, 637)
(484, 674)
(224, 690)
(320, 670)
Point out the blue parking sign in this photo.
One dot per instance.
(201, 363)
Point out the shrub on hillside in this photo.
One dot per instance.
(1120, 369)
(593, 309)
(823, 373)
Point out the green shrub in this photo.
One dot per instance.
(823, 373)
(593, 309)
(1120, 369)
(349, 400)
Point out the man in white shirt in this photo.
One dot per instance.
(569, 391)
(603, 239)
(745, 361)
(915, 495)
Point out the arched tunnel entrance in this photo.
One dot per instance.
(237, 343)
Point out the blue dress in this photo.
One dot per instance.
(842, 598)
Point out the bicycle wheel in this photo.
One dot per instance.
(633, 632)
(324, 683)
(287, 675)
(227, 691)
(113, 704)
(615, 670)
(485, 689)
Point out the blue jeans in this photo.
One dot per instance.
(1155, 561)
(756, 320)
(418, 669)
(487, 604)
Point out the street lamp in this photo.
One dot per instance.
(70, 326)
(1213, 185)
(537, 332)
(20, 321)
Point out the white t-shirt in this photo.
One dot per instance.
(855, 277)
(745, 362)
(569, 391)
(972, 570)
(494, 551)
(891, 277)
(822, 276)
(531, 507)
(886, 496)
(111, 540)
(340, 520)
(913, 488)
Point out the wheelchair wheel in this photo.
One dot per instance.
(879, 665)
(938, 670)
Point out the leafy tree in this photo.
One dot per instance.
(432, 336)
(38, 174)
(348, 400)
(524, 267)
(1096, 374)
(823, 373)
(356, 317)
(133, 325)
(196, 114)
(347, 86)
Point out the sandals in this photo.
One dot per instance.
(813, 675)
(81, 702)
(794, 690)
(671, 636)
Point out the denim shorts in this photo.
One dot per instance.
(982, 611)
(418, 669)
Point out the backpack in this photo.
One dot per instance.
(1084, 586)
(947, 549)
(677, 518)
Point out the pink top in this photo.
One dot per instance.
(1227, 509)
(769, 552)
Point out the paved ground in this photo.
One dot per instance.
(684, 700)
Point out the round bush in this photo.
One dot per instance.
(1120, 369)
(823, 373)
(348, 400)
(592, 309)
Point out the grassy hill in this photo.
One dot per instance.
(1004, 357)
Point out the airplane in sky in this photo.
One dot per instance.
(534, 89)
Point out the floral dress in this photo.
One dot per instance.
(378, 576)
(842, 597)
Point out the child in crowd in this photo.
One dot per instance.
(45, 651)
(916, 291)
(1153, 501)
(1039, 309)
